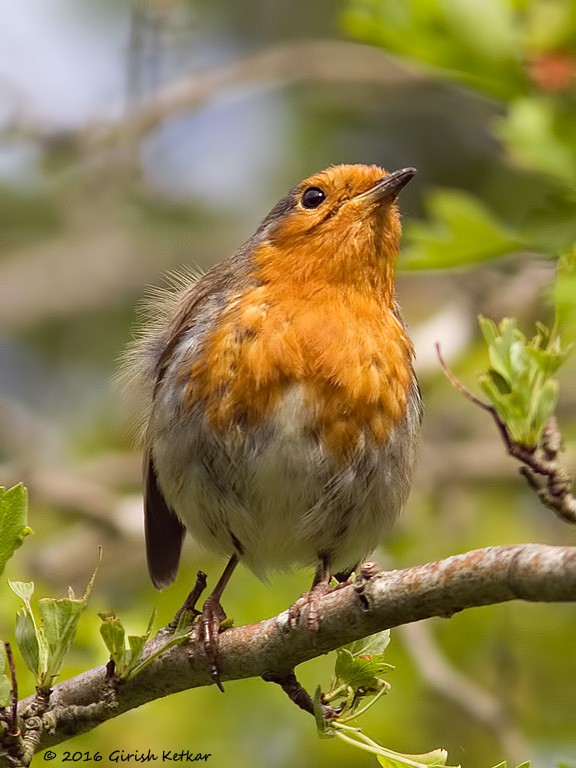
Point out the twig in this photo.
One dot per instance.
(541, 461)
(13, 721)
(333, 61)
(292, 688)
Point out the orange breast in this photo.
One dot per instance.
(349, 351)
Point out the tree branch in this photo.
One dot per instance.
(317, 61)
(269, 648)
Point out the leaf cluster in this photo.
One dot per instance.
(519, 382)
(522, 55)
(44, 642)
(356, 686)
(129, 661)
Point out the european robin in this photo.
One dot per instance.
(281, 406)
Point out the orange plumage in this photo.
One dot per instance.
(319, 314)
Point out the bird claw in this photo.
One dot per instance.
(209, 629)
(308, 599)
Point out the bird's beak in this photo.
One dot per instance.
(387, 190)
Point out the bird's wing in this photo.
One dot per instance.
(164, 531)
(195, 307)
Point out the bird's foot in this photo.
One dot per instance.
(208, 633)
(309, 600)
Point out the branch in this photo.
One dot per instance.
(541, 465)
(331, 61)
(270, 649)
(302, 61)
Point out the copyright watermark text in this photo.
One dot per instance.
(124, 756)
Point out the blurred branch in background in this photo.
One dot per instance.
(68, 260)
(446, 680)
(331, 61)
(314, 61)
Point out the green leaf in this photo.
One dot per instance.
(137, 642)
(180, 635)
(44, 646)
(23, 589)
(373, 645)
(461, 231)
(59, 622)
(387, 757)
(113, 634)
(5, 691)
(499, 382)
(358, 680)
(548, 361)
(530, 131)
(29, 636)
(543, 406)
(436, 758)
(453, 36)
(28, 642)
(360, 671)
(127, 663)
(325, 731)
(13, 518)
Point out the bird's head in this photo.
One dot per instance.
(340, 226)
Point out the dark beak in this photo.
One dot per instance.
(387, 190)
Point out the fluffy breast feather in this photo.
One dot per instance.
(351, 355)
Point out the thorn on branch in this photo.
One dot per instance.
(189, 605)
(540, 465)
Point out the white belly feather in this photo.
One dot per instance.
(274, 494)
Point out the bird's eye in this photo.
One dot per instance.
(312, 197)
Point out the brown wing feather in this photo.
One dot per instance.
(164, 531)
(200, 304)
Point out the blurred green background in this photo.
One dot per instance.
(137, 138)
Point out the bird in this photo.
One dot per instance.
(281, 410)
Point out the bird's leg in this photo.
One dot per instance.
(320, 587)
(211, 618)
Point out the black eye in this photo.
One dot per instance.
(312, 197)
